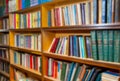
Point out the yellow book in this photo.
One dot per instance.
(17, 4)
(17, 21)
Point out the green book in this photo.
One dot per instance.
(111, 45)
(116, 46)
(63, 71)
(105, 44)
(77, 73)
(100, 45)
(94, 45)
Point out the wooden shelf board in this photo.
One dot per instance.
(26, 30)
(98, 63)
(28, 9)
(27, 50)
(4, 46)
(84, 27)
(4, 30)
(3, 59)
(5, 74)
(46, 78)
(26, 70)
(4, 16)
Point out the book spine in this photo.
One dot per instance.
(95, 11)
(111, 45)
(104, 3)
(94, 45)
(105, 45)
(100, 45)
(116, 46)
(109, 11)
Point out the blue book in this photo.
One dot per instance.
(23, 4)
(95, 11)
(98, 78)
(104, 11)
(72, 65)
(75, 46)
(38, 19)
(90, 75)
(109, 11)
(15, 57)
(67, 15)
(71, 46)
(49, 18)
(112, 73)
(82, 6)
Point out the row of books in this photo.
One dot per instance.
(74, 45)
(3, 78)
(22, 4)
(74, 14)
(20, 76)
(32, 41)
(28, 20)
(28, 60)
(106, 45)
(3, 7)
(106, 11)
(4, 39)
(4, 66)
(66, 71)
(4, 53)
(102, 11)
(4, 23)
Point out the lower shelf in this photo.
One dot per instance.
(27, 70)
(5, 74)
(91, 62)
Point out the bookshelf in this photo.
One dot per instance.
(48, 33)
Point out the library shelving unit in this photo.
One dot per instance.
(47, 34)
(4, 47)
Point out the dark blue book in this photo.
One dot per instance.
(109, 11)
(75, 46)
(91, 74)
(104, 11)
(112, 73)
(82, 6)
(98, 78)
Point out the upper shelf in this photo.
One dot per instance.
(27, 30)
(111, 26)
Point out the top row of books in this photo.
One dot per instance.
(89, 12)
(14, 5)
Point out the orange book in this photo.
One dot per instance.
(83, 70)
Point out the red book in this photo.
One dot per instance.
(54, 45)
(36, 63)
(56, 69)
(53, 69)
(19, 4)
(28, 20)
(31, 62)
(14, 21)
(6, 6)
